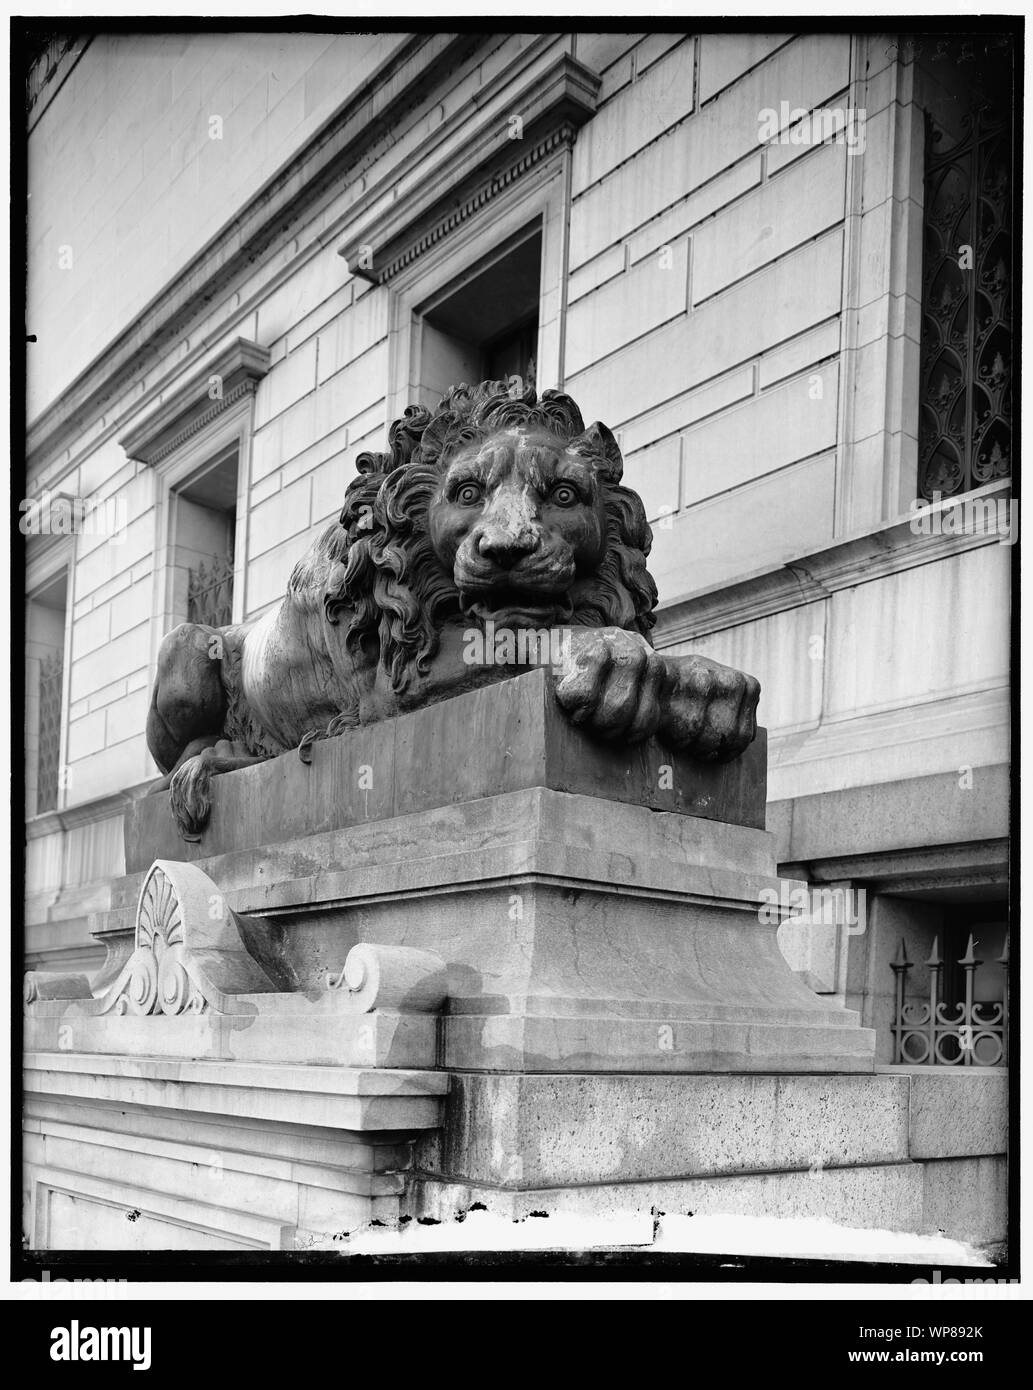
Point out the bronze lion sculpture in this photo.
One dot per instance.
(496, 508)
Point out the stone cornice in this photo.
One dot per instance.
(903, 870)
(86, 813)
(562, 138)
(847, 833)
(43, 543)
(455, 181)
(401, 83)
(842, 565)
(50, 72)
(192, 406)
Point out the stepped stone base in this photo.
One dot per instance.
(163, 1158)
(518, 964)
(225, 1157)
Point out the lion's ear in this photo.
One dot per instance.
(598, 441)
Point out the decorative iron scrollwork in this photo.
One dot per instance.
(51, 673)
(966, 351)
(934, 1033)
(210, 592)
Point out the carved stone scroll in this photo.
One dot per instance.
(189, 957)
(39, 984)
(400, 978)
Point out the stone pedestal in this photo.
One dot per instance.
(468, 949)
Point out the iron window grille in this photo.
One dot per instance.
(966, 348)
(932, 1032)
(210, 592)
(51, 670)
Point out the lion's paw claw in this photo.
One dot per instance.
(305, 746)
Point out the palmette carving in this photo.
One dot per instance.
(189, 958)
(159, 979)
(188, 955)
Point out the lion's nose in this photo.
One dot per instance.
(504, 548)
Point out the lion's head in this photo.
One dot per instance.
(498, 505)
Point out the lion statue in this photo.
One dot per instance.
(498, 508)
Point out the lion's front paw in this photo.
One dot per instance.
(711, 710)
(614, 685)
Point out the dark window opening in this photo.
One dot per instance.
(44, 692)
(513, 354)
(966, 349)
(485, 326)
(203, 545)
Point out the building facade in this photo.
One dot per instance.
(778, 266)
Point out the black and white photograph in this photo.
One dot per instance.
(515, 549)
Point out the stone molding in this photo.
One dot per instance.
(561, 139)
(918, 817)
(190, 407)
(335, 1097)
(960, 864)
(552, 104)
(85, 813)
(858, 559)
(49, 73)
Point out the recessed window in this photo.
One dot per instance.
(484, 325)
(45, 648)
(204, 528)
(951, 989)
(966, 397)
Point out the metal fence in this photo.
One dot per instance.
(965, 432)
(49, 760)
(210, 592)
(931, 1032)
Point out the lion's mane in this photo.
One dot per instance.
(384, 570)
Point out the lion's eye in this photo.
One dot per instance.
(563, 495)
(468, 494)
